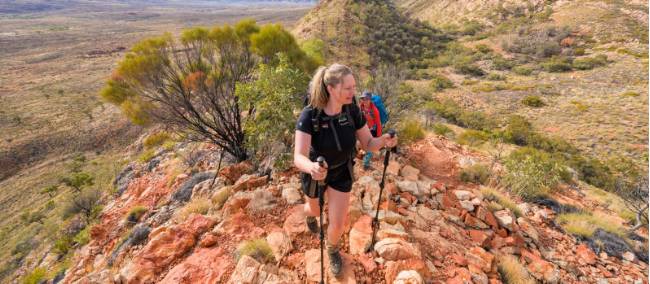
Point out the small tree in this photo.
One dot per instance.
(78, 180)
(86, 203)
(50, 190)
(631, 184)
(190, 84)
(273, 97)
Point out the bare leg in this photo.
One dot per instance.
(339, 204)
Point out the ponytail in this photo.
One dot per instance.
(325, 76)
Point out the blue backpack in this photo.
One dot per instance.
(383, 114)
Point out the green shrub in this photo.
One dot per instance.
(518, 131)
(156, 139)
(471, 27)
(579, 51)
(441, 129)
(473, 137)
(62, 245)
(35, 277)
(476, 120)
(147, 155)
(83, 237)
(496, 77)
(449, 110)
(440, 82)
(469, 69)
(538, 42)
(533, 101)
(135, 213)
(411, 131)
(258, 249)
(590, 62)
(531, 173)
(557, 64)
(477, 173)
(483, 48)
(500, 63)
(522, 70)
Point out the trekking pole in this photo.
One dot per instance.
(375, 221)
(321, 203)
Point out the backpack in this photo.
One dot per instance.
(383, 114)
(316, 120)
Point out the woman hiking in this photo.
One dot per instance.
(329, 127)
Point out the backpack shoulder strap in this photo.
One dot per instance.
(315, 119)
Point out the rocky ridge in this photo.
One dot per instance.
(434, 229)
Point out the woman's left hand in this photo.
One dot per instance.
(388, 141)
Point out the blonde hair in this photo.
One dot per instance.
(325, 76)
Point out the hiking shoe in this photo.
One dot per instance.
(336, 262)
(312, 224)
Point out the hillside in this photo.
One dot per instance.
(601, 108)
(435, 228)
(52, 123)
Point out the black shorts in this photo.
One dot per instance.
(338, 179)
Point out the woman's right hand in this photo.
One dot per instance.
(317, 172)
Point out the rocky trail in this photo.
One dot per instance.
(434, 229)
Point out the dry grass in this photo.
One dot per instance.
(585, 224)
(195, 206)
(220, 197)
(512, 271)
(502, 200)
(258, 249)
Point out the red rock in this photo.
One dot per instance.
(247, 271)
(402, 211)
(280, 244)
(480, 258)
(391, 188)
(440, 186)
(462, 276)
(367, 262)
(396, 249)
(459, 259)
(239, 227)
(408, 196)
(486, 216)
(502, 232)
(481, 238)
(449, 200)
(202, 266)
(473, 222)
(165, 246)
(208, 240)
(294, 223)
(360, 235)
(234, 172)
(544, 271)
(256, 182)
(478, 276)
(393, 268)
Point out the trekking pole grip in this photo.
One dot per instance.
(321, 162)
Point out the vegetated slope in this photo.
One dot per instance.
(367, 34)
(587, 62)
